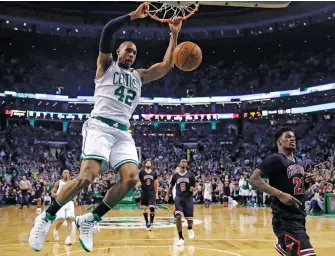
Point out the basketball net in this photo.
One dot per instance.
(165, 12)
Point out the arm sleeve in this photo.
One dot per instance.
(107, 40)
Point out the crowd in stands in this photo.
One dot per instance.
(48, 64)
(41, 154)
(51, 65)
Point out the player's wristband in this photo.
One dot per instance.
(280, 193)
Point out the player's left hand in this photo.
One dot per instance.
(175, 25)
(310, 177)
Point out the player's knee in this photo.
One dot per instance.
(88, 172)
(152, 209)
(129, 174)
(178, 216)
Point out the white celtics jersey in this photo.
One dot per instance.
(61, 184)
(117, 93)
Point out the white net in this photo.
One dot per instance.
(165, 12)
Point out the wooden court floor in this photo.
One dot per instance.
(218, 231)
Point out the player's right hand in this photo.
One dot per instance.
(289, 200)
(140, 12)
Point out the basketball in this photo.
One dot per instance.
(187, 56)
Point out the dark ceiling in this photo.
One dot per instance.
(118, 7)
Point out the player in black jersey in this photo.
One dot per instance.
(39, 193)
(149, 195)
(185, 185)
(287, 184)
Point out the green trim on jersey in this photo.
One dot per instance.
(115, 167)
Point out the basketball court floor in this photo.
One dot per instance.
(218, 230)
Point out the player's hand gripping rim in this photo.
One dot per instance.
(175, 25)
(288, 199)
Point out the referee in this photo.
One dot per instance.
(24, 186)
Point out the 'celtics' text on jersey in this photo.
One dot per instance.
(117, 93)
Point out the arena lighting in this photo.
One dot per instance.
(187, 101)
(24, 24)
(314, 108)
(57, 29)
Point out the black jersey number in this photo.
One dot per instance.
(299, 183)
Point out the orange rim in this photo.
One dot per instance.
(169, 20)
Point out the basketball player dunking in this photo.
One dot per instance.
(148, 179)
(106, 140)
(66, 212)
(184, 206)
(287, 184)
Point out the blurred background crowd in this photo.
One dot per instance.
(24, 152)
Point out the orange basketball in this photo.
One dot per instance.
(187, 56)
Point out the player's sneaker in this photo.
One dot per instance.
(190, 234)
(180, 242)
(87, 225)
(148, 226)
(56, 235)
(39, 231)
(68, 241)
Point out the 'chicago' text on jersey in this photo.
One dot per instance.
(186, 180)
(295, 169)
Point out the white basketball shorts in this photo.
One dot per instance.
(253, 193)
(113, 147)
(208, 196)
(66, 212)
(244, 192)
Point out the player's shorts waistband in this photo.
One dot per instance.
(111, 123)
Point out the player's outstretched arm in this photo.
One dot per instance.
(54, 190)
(107, 39)
(257, 181)
(160, 69)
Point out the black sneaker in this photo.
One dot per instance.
(148, 226)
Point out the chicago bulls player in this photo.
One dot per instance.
(287, 184)
(149, 195)
(185, 185)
